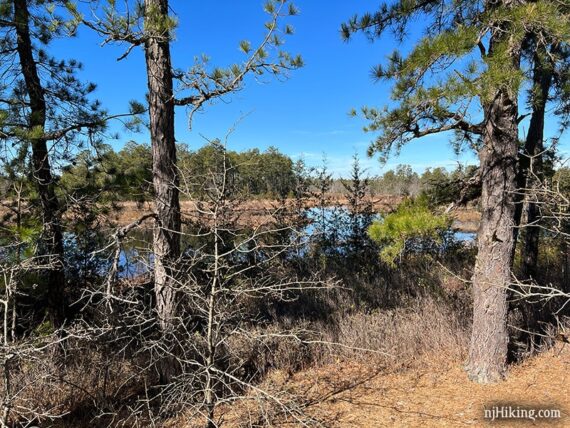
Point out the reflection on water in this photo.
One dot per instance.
(136, 257)
(133, 262)
(467, 237)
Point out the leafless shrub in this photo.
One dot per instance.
(221, 343)
(552, 198)
(540, 297)
(48, 374)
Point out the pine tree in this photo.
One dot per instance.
(43, 109)
(147, 24)
(549, 85)
(360, 210)
(465, 76)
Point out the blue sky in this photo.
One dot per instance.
(305, 115)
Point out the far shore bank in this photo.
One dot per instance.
(464, 219)
(256, 211)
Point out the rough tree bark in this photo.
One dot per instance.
(166, 240)
(52, 242)
(495, 239)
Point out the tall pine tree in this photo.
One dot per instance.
(548, 72)
(148, 24)
(43, 109)
(465, 75)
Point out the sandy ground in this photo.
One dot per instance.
(443, 396)
(431, 394)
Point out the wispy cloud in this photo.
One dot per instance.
(308, 156)
(338, 165)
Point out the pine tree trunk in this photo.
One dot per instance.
(534, 147)
(498, 157)
(531, 162)
(166, 240)
(52, 239)
(495, 238)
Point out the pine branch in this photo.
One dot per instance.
(210, 86)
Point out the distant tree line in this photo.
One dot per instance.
(127, 174)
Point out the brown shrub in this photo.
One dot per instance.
(426, 327)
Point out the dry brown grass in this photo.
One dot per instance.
(466, 219)
(423, 386)
(424, 333)
(434, 394)
(253, 211)
(421, 383)
(56, 394)
(405, 334)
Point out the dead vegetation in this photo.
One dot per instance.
(435, 393)
(424, 386)
(252, 211)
